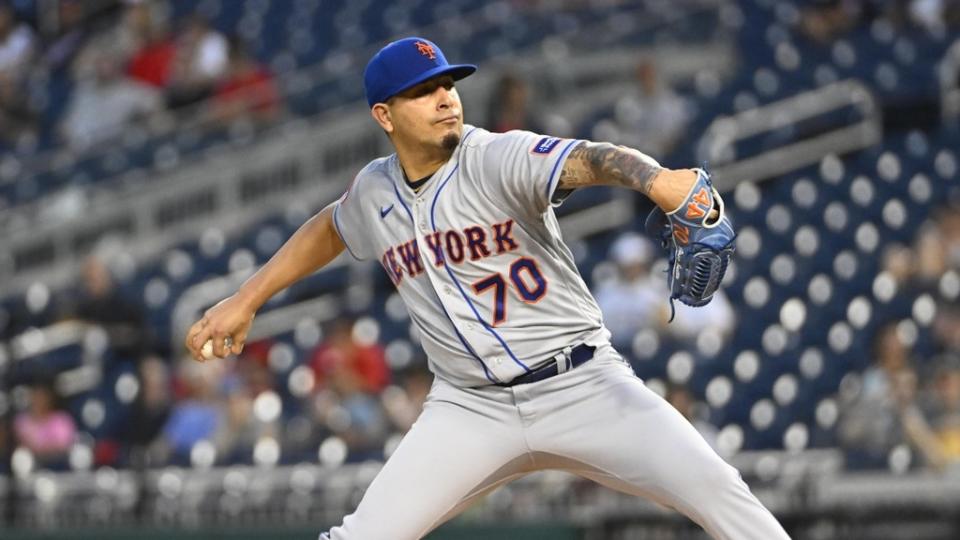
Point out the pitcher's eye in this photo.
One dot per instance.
(425, 89)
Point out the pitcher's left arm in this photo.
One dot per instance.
(690, 222)
(606, 164)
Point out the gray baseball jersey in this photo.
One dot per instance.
(477, 255)
(478, 259)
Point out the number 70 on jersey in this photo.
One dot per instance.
(526, 280)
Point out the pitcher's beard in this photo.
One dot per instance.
(450, 141)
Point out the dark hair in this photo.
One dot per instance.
(237, 47)
(876, 345)
(47, 383)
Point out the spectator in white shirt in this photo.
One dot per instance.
(632, 299)
(102, 104)
(653, 117)
(201, 61)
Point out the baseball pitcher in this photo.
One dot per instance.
(462, 221)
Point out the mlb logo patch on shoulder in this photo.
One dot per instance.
(545, 145)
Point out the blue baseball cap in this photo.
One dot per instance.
(406, 63)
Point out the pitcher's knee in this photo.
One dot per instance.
(714, 476)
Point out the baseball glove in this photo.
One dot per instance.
(699, 245)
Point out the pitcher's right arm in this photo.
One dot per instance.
(312, 247)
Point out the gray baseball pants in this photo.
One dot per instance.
(598, 421)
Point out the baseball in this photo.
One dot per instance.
(207, 350)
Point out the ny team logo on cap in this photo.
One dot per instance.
(405, 63)
(426, 49)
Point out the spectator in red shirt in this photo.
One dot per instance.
(248, 90)
(340, 354)
(153, 60)
(152, 64)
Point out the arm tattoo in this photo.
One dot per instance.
(594, 164)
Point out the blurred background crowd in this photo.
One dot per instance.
(838, 328)
(109, 64)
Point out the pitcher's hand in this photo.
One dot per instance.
(226, 324)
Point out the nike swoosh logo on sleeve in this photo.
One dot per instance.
(385, 210)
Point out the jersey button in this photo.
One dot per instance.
(447, 289)
(423, 225)
(497, 360)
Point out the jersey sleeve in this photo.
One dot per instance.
(526, 169)
(349, 221)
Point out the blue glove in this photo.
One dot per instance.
(699, 247)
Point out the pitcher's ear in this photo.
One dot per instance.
(381, 113)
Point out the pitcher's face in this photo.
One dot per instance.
(428, 114)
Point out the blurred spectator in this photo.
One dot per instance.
(931, 254)
(100, 303)
(200, 61)
(923, 268)
(883, 414)
(943, 410)
(243, 424)
(44, 429)
(653, 117)
(682, 399)
(509, 106)
(72, 33)
(899, 261)
(352, 414)
(404, 403)
(928, 14)
(632, 299)
(638, 298)
(947, 415)
(103, 104)
(150, 411)
(18, 121)
(948, 228)
(253, 366)
(16, 42)
(341, 354)
(825, 20)
(248, 90)
(891, 356)
(946, 327)
(199, 415)
(350, 376)
(152, 62)
(873, 426)
(935, 251)
(140, 22)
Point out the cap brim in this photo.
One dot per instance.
(457, 71)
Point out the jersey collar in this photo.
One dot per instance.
(400, 178)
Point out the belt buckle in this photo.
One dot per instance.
(564, 360)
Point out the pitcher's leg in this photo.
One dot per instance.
(632, 440)
(449, 453)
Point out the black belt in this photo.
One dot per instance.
(577, 356)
